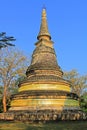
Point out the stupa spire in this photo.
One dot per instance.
(44, 27)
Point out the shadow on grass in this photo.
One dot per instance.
(61, 125)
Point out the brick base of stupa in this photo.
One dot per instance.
(44, 116)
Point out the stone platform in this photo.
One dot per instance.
(43, 116)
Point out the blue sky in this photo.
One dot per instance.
(67, 23)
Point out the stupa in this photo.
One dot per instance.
(44, 94)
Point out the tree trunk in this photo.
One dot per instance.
(4, 100)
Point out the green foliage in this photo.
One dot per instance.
(1, 92)
(7, 104)
(83, 102)
(1, 107)
(11, 90)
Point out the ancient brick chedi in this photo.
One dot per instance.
(44, 88)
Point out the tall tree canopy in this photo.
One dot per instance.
(13, 64)
(79, 83)
(6, 40)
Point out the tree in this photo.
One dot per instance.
(6, 40)
(13, 64)
(79, 83)
(83, 102)
(11, 90)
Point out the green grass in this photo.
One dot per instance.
(65, 125)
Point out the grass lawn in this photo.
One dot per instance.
(65, 125)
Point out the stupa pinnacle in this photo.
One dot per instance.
(44, 94)
(44, 27)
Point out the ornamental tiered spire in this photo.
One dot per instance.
(44, 27)
(44, 90)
